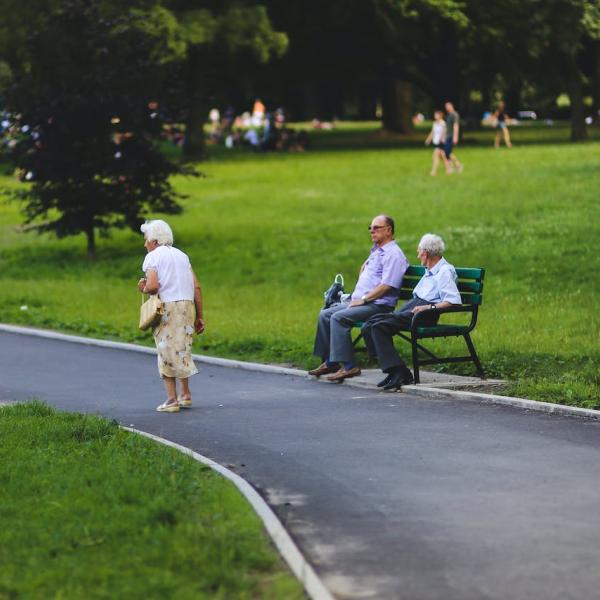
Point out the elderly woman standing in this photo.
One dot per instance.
(169, 274)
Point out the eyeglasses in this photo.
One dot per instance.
(376, 227)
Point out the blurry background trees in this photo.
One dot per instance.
(85, 77)
(336, 58)
(224, 41)
(345, 59)
(91, 81)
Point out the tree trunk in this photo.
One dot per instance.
(91, 242)
(512, 99)
(486, 97)
(310, 104)
(331, 100)
(596, 81)
(194, 145)
(367, 102)
(578, 126)
(397, 104)
(446, 70)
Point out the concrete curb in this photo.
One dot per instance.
(548, 407)
(417, 390)
(208, 360)
(313, 586)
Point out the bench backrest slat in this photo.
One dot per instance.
(470, 283)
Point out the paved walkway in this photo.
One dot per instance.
(388, 495)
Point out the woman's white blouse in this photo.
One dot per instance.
(174, 270)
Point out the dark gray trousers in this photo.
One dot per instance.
(333, 340)
(379, 332)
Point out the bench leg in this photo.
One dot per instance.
(474, 356)
(358, 338)
(415, 359)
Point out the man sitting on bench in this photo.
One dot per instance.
(436, 289)
(376, 292)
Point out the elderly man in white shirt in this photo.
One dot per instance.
(436, 289)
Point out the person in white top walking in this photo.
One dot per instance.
(437, 136)
(170, 275)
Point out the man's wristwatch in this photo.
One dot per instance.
(364, 299)
(432, 306)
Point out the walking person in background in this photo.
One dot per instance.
(169, 274)
(437, 137)
(500, 119)
(453, 165)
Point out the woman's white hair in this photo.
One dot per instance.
(432, 244)
(158, 231)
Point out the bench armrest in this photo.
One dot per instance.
(456, 308)
(459, 308)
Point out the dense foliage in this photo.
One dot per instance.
(84, 97)
(409, 55)
(90, 82)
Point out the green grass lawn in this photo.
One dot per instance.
(90, 511)
(267, 233)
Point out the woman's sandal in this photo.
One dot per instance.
(184, 401)
(170, 405)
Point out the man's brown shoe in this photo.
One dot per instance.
(323, 370)
(343, 374)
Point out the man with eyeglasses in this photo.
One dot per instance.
(376, 292)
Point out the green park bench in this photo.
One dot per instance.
(470, 286)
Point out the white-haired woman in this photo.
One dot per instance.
(436, 289)
(169, 273)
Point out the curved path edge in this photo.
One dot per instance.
(299, 566)
(418, 390)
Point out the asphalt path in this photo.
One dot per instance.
(388, 495)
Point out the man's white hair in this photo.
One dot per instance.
(158, 231)
(432, 244)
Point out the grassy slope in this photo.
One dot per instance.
(90, 511)
(267, 233)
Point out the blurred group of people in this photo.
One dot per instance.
(11, 129)
(259, 130)
(174, 133)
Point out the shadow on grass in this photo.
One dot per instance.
(58, 259)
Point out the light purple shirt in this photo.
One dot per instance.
(439, 284)
(385, 265)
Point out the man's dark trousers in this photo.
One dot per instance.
(379, 332)
(333, 340)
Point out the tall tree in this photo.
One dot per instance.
(406, 28)
(217, 33)
(497, 53)
(563, 27)
(84, 85)
(376, 50)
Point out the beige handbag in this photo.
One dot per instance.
(151, 311)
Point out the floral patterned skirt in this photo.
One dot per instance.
(173, 338)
